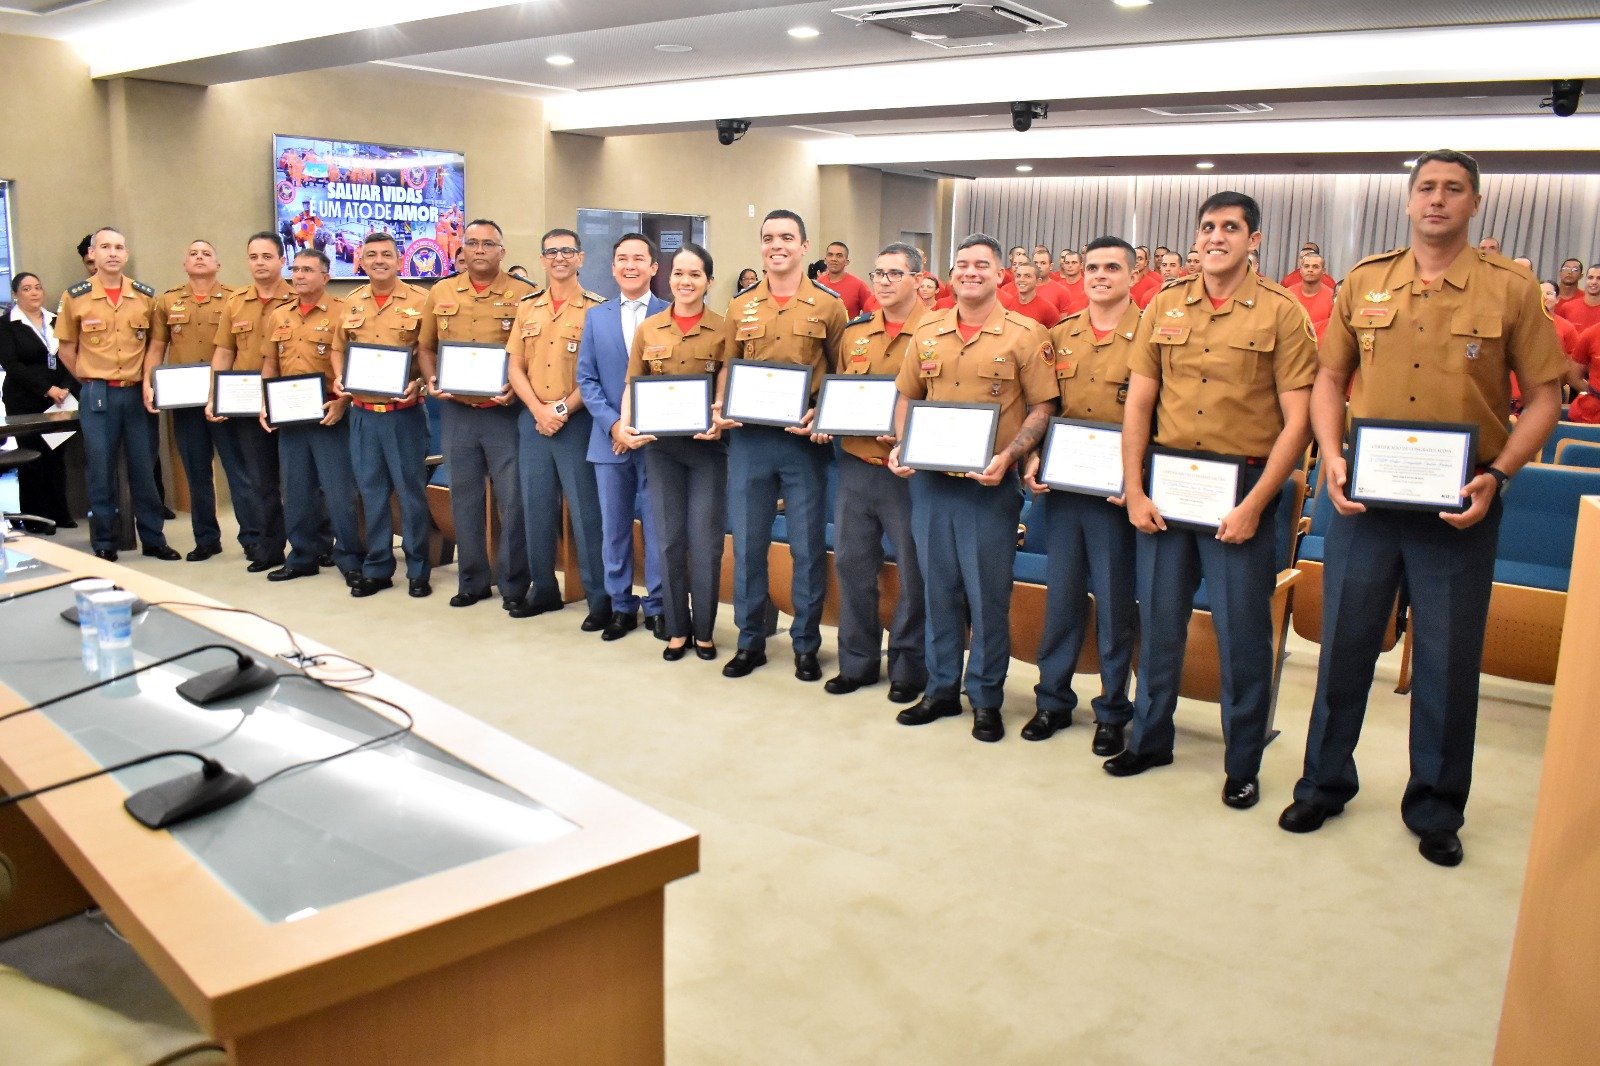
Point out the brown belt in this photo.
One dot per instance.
(119, 384)
(383, 408)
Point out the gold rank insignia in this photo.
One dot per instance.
(1378, 296)
(1367, 338)
(178, 306)
(1174, 313)
(409, 312)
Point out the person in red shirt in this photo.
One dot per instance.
(1584, 311)
(1171, 267)
(1191, 263)
(1585, 356)
(1145, 283)
(1291, 280)
(1567, 281)
(851, 290)
(1313, 295)
(1566, 332)
(1025, 299)
(928, 292)
(1046, 286)
(1070, 282)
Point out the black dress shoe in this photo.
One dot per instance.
(987, 725)
(467, 599)
(289, 573)
(620, 625)
(1107, 738)
(595, 621)
(672, 654)
(1045, 724)
(929, 709)
(705, 651)
(260, 565)
(657, 625)
(352, 578)
(166, 553)
(202, 553)
(325, 560)
(1130, 762)
(370, 586)
(168, 513)
(529, 609)
(843, 686)
(1442, 847)
(744, 661)
(418, 587)
(806, 667)
(899, 693)
(108, 554)
(1305, 816)
(1241, 795)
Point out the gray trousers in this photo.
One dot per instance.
(481, 446)
(872, 503)
(551, 468)
(687, 485)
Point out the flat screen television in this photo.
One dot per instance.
(330, 194)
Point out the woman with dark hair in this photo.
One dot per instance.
(35, 381)
(687, 477)
(747, 279)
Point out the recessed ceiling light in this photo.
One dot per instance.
(804, 33)
(1024, 169)
(1475, 97)
(674, 47)
(1131, 3)
(559, 60)
(1204, 164)
(1409, 164)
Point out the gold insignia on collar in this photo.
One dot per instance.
(1379, 296)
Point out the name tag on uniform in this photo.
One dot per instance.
(1170, 331)
(282, 333)
(93, 325)
(654, 351)
(930, 368)
(1375, 312)
(242, 326)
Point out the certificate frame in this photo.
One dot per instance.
(1370, 432)
(738, 368)
(171, 373)
(1062, 432)
(700, 383)
(365, 372)
(269, 386)
(217, 407)
(443, 375)
(832, 383)
(985, 416)
(1176, 521)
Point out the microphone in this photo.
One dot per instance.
(216, 684)
(63, 583)
(170, 803)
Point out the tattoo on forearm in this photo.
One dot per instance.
(1031, 433)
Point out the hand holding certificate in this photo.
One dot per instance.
(950, 437)
(376, 369)
(185, 385)
(767, 394)
(477, 370)
(856, 405)
(1084, 457)
(670, 405)
(1193, 490)
(1412, 466)
(295, 400)
(237, 394)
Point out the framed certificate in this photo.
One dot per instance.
(472, 369)
(1411, 465)
(295, 399)
(857, 405)
(181, 385)
(766, 394)
(1194, 490)
(671, 405)
(956, 437)
(379, 369)
(236, 394)
(1082, 456)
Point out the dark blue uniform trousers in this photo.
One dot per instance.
(553, 467)
(688, 492)
(1450, 574)
(1090, 549)
(872, 503)
(198, 441)
(764, 462)
(620, 486)
(319, 486)
(966, 537)
(1239, 582)
(259, 452)
(389, 452)
(115, 423)
(480, 444)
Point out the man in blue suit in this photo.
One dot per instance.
(602, 371)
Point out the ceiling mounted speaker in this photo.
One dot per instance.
(951, 21)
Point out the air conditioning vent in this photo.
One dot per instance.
(1202, 110)
(934, 22)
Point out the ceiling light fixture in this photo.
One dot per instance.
(1131, 3)
(560, 60)
(804, 33)
(1024, 169)
(1410, 164)
(674, 47)
(1204, 164)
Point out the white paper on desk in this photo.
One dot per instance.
(56, 440)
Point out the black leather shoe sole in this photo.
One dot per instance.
(261, 565)
(928, 710)
(418, 587)
(707, 652)
(1046, 724)
(987, 725)
(672, 654)
(1129, 763)
(530, 610)
(657, 625)
(904, 693)
(1241, 795)
(1107, 739)
(806, 668)
(325, 560)
(108, 554)
(843, 686)
(200, 555)
(165, 553)
(467, 599)
(1304, 816)
(743, 662)
(286, 573)
(370, 586)
(619, 626)
(595, 621)
(1442, 848)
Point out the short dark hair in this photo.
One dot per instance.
(18, 279)
(560, 232)
(315, 253)
(841, 244)
(377, 236)
(1573, 259)
(1446, 155)
(783, 212)
(1228, 198)
(655, 256)
(973, 240)
(265, 235)
(699, 253)
(913, 256)
(85, 244)
(1112, 242)
(491, 223)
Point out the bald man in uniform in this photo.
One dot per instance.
(1414, 322)
(103, 326)
(1224, 363)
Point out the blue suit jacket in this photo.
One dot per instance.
(602, 370)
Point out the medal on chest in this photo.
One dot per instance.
(1368, 338)
(177, 329)
(505, 324)
(1473, 349)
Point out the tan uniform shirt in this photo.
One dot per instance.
(306, 343)
(659, 347)
(805, 331)
(1008, 362)
(111, 340)
(1221, 369)
(396, 324)
(544, 342)
(867, 348)
(1092, 373)
(188, 324)
(243, 328)
(1441, 352)
(455, 311)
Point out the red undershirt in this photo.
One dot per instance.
(1215, 303)
(1100, 334)
(781, 301)
(306, 309)
(555, 306)
(892, 328)
(114, 295)
(686, 324)
(968, 332)
(480, 289)
(381, 300)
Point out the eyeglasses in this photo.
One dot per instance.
(888, 275)
(559, 253)
(485, 245)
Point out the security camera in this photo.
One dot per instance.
(1023, 113)
(731, 129)
(1564, 97)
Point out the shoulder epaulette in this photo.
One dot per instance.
(1172, 283)
(824, 288)
(80, 288)
(865, 316)
(593, 297)
(746, 289)
(140, 286)
(179, 288)
(1381, 256)
(534, 295)
(1021, 319)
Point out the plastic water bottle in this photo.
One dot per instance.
(87, 630)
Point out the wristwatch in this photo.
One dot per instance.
(560, 408)
(1501, 479)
